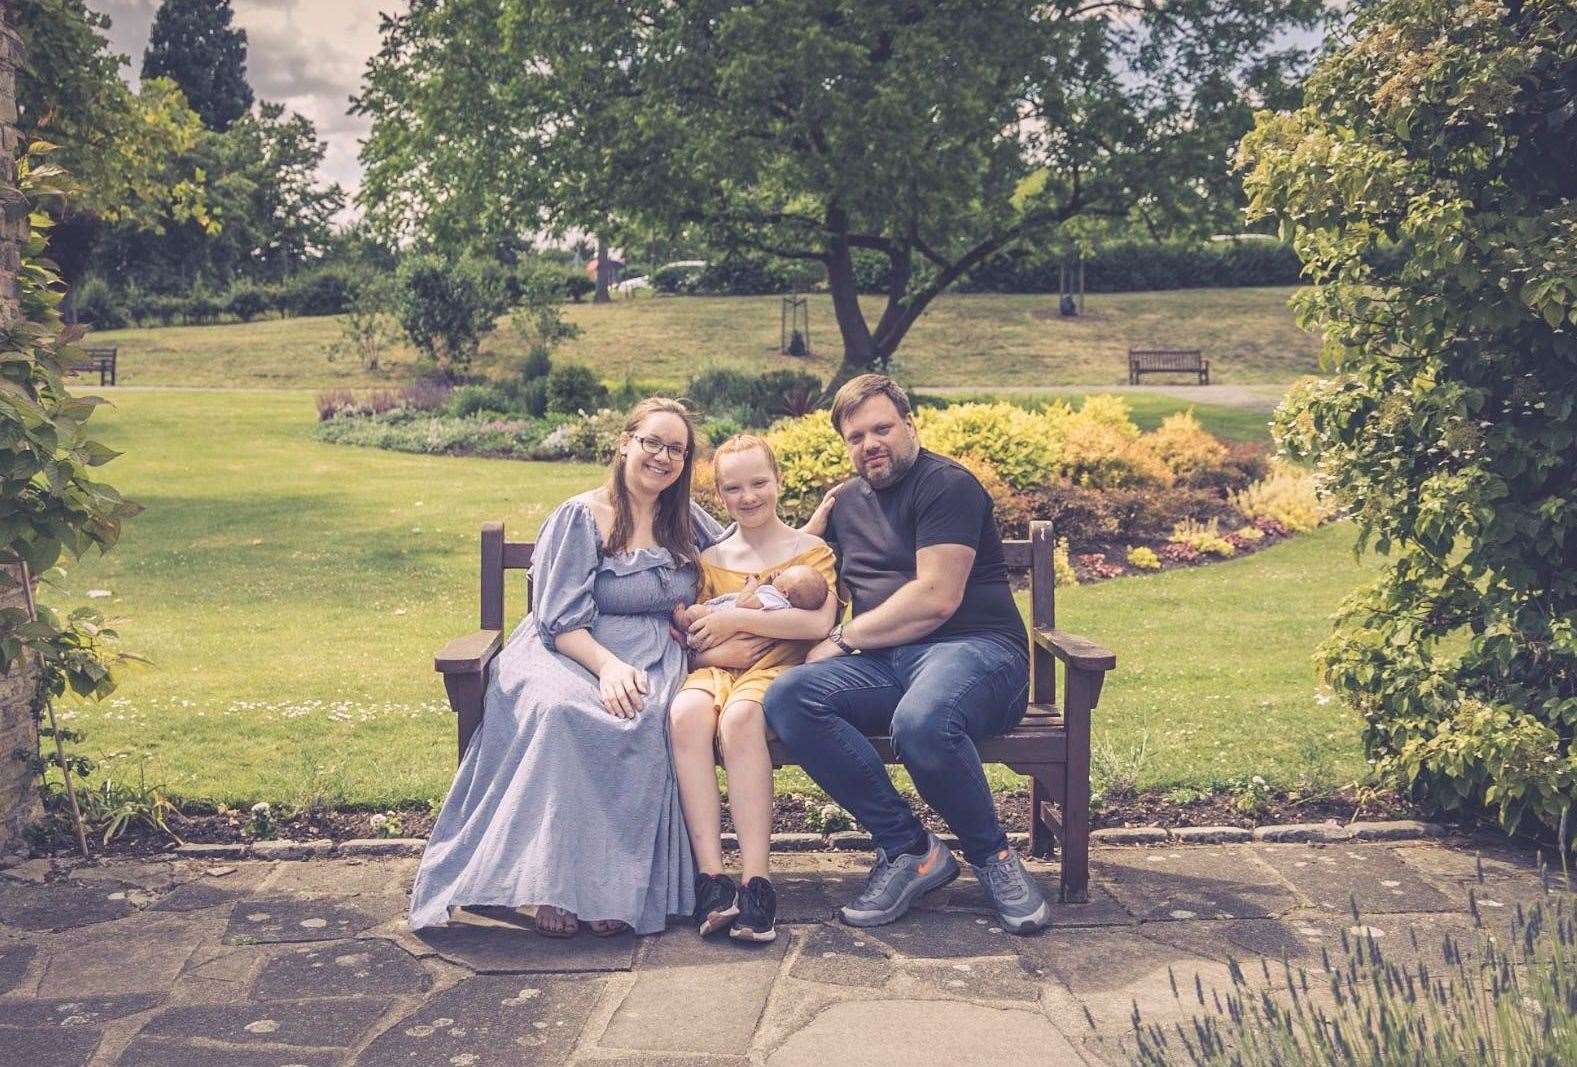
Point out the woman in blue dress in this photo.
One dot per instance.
(565, 799)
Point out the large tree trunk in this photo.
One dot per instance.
(860, 354)
(604, 272)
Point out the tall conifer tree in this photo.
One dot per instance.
(193, 44)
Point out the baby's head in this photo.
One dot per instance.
(802, 586)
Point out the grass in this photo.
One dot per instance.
(962, 340)
(291, 594)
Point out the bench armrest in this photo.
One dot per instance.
(1076, 652)
(469, 654)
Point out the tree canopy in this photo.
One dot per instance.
(1441, 134)
(935, 134)
(193, 44)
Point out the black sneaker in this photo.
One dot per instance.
(758, 914)
(716, 902)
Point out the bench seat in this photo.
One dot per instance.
(1050, 746)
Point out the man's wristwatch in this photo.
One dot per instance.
(836, 637)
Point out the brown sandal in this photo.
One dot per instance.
(609, 927)
(561, 932)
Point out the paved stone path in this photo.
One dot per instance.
(270, 963)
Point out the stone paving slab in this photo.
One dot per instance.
(694, 995)
(285, 962)
(943, 1033)
(1335, 877)
(1180, 883)
(156, 1052)
(490, 1019)
(308, 1023)
(839, 955)
(55, 1046)
(269, 920)
(62, 905)
(340, 969)
(14, 958)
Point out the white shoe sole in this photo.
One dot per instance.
(745, 933)
(1032, 923)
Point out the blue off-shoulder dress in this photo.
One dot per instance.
(557, 801)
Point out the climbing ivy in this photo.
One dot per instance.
(1428, 187)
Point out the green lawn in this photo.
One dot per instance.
(962, 340)
(291, 594)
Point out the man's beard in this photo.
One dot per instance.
(897, 467)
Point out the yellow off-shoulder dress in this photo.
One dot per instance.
(752, 682)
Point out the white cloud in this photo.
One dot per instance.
(306, 54)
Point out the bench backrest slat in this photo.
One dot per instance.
(500, 556)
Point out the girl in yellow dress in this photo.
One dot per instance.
(726, 704)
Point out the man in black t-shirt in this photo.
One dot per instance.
(934, 655)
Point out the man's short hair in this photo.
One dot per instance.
(858, 390)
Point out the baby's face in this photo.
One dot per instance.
(802, 586)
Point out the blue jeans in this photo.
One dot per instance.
(935, 699)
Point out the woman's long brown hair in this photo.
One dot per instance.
(671, 525)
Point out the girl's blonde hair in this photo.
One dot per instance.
(744, 442)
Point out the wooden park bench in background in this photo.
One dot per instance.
(100, 358)
(1167, 361)
(1051, 745)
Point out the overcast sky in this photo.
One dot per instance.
(305, 54)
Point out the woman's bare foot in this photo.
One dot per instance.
(608, 927)
(555, 922)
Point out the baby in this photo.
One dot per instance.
(799, 586)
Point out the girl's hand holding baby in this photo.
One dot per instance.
(715, 628)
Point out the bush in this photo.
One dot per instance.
(577, 286)
(811, 459)
(166, 308)
(756, 399)
(676, 278)
(1192, 455)
(591, 438)
(97, 305)
(1141, 558)
(1204, 537)
(1288, 495)
(538, 364)
(138, 303)
(575, 387)
(203, 305)
(1125, 266)
(321, 291)
(247, 300)
(446, 307)
(471, 399)
(1020, 446)
(531, 396)
(1102, 448)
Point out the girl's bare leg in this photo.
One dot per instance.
(742, 728)
(693, 724)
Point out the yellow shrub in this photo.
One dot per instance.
(1019, 445)
(1204, 536)
(1108, 410)
(1101, 455)
(1187, 448)
(811, 460)
(1141, 558)
(1287, 495)
(1061, 566)
(1250, 533)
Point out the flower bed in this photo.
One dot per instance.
(1123, 501)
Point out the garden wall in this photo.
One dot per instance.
(17, 738)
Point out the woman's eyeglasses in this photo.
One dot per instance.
(652, 447)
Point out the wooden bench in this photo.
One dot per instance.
(1167, 361)
(100, 358)
(1051, 745)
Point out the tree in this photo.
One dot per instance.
(193, 44)
(1427, 184)
(936, 134)
(126, 152)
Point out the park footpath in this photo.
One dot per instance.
(254, 959)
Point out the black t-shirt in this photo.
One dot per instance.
(876, 533)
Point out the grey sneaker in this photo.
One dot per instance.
(1018, 900)
(895, 884)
